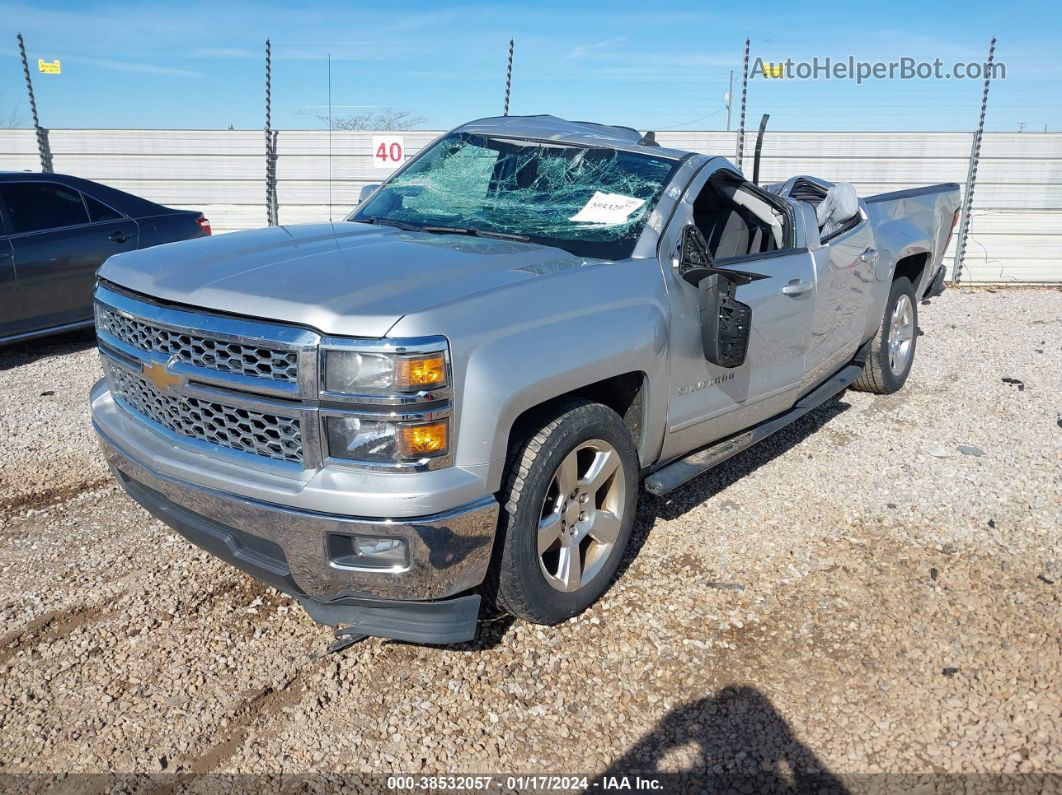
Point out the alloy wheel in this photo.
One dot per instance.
(901, 334)
(581, 515)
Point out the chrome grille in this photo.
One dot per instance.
(248, 431)
(251, 360)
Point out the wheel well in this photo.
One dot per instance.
(624, 394)
(911, 267)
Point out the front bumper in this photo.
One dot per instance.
(288, 549)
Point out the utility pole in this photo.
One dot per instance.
(971, 174)
(729, 99)
(508, 77)
(744, 96)
(42, 135)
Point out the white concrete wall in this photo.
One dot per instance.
(1016, 223)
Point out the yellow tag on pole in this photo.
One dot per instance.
(49, 67)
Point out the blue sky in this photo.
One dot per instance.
(191, 64)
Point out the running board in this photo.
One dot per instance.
(685, 469)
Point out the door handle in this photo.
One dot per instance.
(869, 254)
(797, 287)
(119, 236)
(4, 254)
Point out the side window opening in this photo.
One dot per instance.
(33, 206)
(839, 211)
(98, 211)
(735, 220)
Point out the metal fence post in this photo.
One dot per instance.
(274, 206)
(43, 147)
(971, 174)
(270, 142)
(744, 95)
(508, 78)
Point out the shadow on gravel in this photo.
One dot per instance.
(490, 629)
(59, 345)
(735, 741)
(493, 624)
(708, 485)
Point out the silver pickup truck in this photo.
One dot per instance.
(455, 393)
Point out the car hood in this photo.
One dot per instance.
(343, 278)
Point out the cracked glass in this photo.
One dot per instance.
(590, 201)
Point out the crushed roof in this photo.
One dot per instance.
(553, 128)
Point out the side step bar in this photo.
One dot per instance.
(676, 473)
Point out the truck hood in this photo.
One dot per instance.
(342, 278)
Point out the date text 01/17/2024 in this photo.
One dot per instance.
(557, 783)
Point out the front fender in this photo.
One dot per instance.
(548, 361)
(516, 348)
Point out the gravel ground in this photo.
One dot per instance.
(874, 589)
(47, 448)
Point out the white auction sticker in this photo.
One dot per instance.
(608, 208)
(388, 151)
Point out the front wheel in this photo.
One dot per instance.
(569, 503)
(891, 352)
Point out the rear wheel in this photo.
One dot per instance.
(891, 352)
(569, 504)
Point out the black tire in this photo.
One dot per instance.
(519, 582)
(880, 377)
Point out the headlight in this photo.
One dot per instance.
(351, 372)
(384, 440)
(357, 372)
(370, 391)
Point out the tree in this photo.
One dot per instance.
(10, 118)
(384, 119)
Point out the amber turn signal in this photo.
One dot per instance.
(429, 439)
(420, 371)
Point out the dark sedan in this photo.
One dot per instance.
(55, 232)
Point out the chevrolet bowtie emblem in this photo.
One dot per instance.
(162, 378)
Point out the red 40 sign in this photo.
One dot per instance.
(388, 151)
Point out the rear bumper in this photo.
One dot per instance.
(289, 550)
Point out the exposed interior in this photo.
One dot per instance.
(806, 191)
(836, 209)
(736, 219)
(839, 211)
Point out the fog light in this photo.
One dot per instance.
(368, 552)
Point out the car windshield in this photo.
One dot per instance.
(589, 201)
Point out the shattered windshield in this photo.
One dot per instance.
(590, 201)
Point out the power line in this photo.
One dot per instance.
(691, 121)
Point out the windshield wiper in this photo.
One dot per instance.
(388, 222)
(464, 230)
(444, 230)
